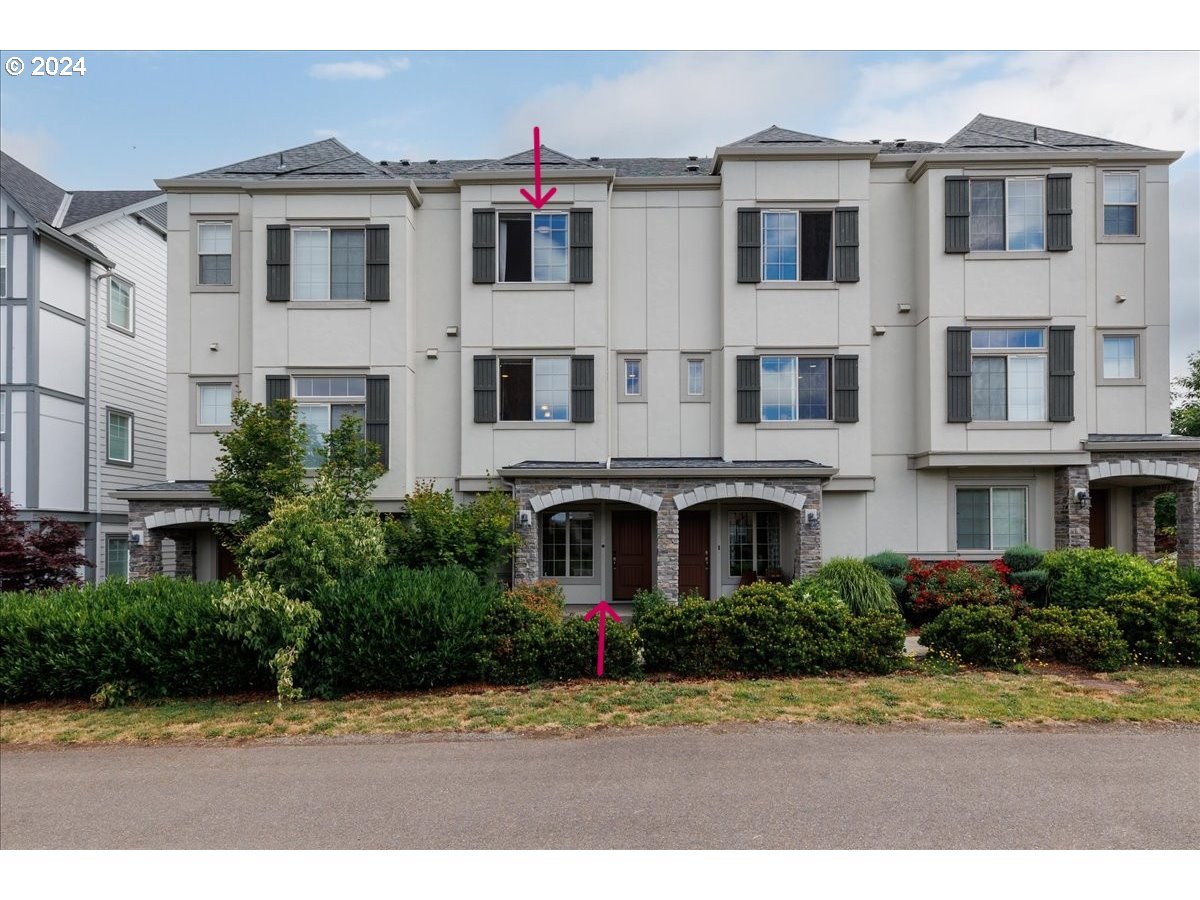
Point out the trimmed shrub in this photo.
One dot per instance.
(1023, 558)
(645, 600)
(768, 628)
(120, 641)
(862, 588)
(271, 624)
(982, 635)
(1189, 576)
(888, 563)
(1082, 637)
(1081, 578)
(1161, 629)
(543, 597)
(1032, 583)
(934, 587)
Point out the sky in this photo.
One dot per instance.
(140, 115)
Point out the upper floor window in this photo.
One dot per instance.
(794, 388)
(535, 389)
(120, 304)
(214, 404)
(1008, 374)
(1008, 213)
(797, 246)
(322, 402)
(3, 265)
(695, 378)
(328, 263)
(1120, 358)
(533, 247)
(1121, 203)
(120, 437)
(214, 242)
(633, 377)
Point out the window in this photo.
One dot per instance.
(1008, 374)
(1120, 357)
(215, 246)
(1121, 203)
(117, 558)
(633, 378)
(990, 518)
(794, 388)
(1008, 214)
(754, 542)
(322, 402)
(120, 304)
(537, 389)
(567, 545)
(3, 265)
(533, 247)
(695, 377)
(120, 437)
(797, 246)
(328, 263)
(3, 412)
(214, 404)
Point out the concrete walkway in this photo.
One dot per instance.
(769, 787)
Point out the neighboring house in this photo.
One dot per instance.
(694, 371)
(83, 280)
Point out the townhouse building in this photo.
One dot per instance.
(693, 372)
(83, 285)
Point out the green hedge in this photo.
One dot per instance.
(1082, 637)
(1080, 578)
(147, 639)
(981, 635)
(1160, 629)
(767, 629)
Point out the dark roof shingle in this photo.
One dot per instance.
(991, 133)
(89, 204)
(39, 196)
(328, 158)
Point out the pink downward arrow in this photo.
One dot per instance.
(540, 199)
(603, 610)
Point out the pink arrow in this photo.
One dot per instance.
(603, 609)
(540, 200)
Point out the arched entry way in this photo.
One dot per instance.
(1121, 494)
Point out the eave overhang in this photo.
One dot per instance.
(1050, 157)
(292, 185)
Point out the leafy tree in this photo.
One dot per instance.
(1185, 411)
(350, 463)
(36, 557)
(261, 461)
(436, 532)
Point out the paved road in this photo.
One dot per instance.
(753, 787)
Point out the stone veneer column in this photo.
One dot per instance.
(667, 530)
(1187, 523)
(807, 543)
(185, 552)
(145, 559)
(1072, 524)
(1143, 520)
(525, 560)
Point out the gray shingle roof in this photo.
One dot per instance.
(433, 168)
(1137, 438)
(551, 159)
(39, 196)
(156, 214)
(328, 158)
(784, 137)
(886, 147)
(990, 133)
(669, 462)
(657, 166)
(89, 204)
(180, 486)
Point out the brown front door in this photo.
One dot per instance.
(632, 559)
(1099, 518)
(693, 553)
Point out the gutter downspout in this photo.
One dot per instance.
(108, 273)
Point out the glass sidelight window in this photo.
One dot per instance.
(754, 542)
(567, 544)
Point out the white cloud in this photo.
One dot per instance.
(358, 69)
(34, 149)
(677, 104)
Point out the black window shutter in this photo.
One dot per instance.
(279, 262)
(1062, 373)
(485, 389)
(1058, 212)
(958, 374)
(378, 407)
(581, 246)
(583, 389)
(279, 387)
(483, 248)
(378, 278)
(747, 389)
(845, 244)
(845, 389)
(749, 246)
(958, 214)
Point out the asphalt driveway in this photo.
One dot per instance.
(753, 787)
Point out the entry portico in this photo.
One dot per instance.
(605, 530)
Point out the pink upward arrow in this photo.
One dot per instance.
(540, 200)
(603, 610)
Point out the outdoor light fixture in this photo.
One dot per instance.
(812, 517)
(525, 518)
(451, 331)
(431, 353)
(1083, 498)
(904, 307)
(878, 330)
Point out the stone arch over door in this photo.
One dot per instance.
(1146, 468)
(740, 490)
(579, 492)
(194, 515)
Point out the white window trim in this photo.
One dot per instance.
(727, 514)
(621, 395)
(108, 414)
(533, 420)
(199, 427)
(533, 279)
(799, 279)
(328, 401)
(1005, 179)
(597, 519)
(131, 289)
(1007, 353)
(1140, 236)
(762, 420)
(328, 230)
(1139, 358)
(991, 552)
(215, 219)
(685, 395)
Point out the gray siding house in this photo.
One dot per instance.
(82, 354)
(694, 371)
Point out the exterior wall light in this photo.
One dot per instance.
(1083, 498)
(431, 353)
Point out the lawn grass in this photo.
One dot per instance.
(1140, 695)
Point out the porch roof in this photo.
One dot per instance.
(676, 466)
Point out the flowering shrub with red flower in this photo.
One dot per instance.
(933, 587)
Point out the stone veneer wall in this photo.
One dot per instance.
(1072, 523)
(807, 558)
(146, 559)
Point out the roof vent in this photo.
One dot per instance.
(404, 162)
(693, 158)
(900, 142)
(433, 162)
(876, 141)
(594, 158)
(383, 162)
(692, 167)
